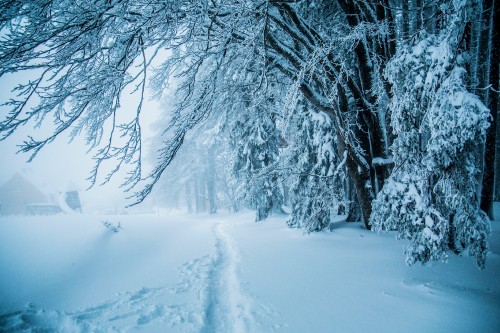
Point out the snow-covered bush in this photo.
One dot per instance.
(430, 198)
(115, 227)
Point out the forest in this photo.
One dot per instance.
(384, 111)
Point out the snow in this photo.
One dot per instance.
(382, 161)
(62, 203)
(176, 272)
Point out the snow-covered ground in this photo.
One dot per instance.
(225, 273)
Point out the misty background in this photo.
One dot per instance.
(64, 164)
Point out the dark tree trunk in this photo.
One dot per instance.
(405, 20)
(354, 213)
(497, 162)
(358, 99)
(363, 192)
(492, 102)
(369, 132)
(417, 16)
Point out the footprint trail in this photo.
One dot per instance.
(226, 308)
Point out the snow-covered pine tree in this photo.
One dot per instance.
(314, 174)
(255, 141)
(431, 197)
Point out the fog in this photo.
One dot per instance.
(63, 164)
(56, 167)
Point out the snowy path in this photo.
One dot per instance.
(220, 306)
(226, 308)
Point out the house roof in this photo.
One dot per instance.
(18, 192)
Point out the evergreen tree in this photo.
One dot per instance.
(255, 144)
(314, 173)
(431, 197)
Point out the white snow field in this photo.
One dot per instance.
(226, 273)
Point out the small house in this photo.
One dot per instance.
(18, 196)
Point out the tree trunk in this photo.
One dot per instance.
(197, 195)
(189, 198)
(354, 212)
(212, 200)
(210, 175)
(492, 102)
(363, 193)
(497, 162)
(405, 20)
